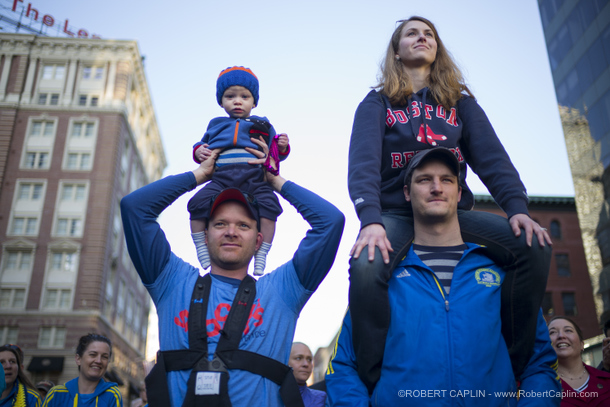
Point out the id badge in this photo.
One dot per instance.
(207, 383)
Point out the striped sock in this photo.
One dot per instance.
(202, 249)
(260, 259)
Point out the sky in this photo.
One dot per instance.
(316, 60)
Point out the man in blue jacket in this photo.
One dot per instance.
(444, 346)
(191, 369)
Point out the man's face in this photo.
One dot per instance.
(232, 236)
(301, 362)
(435, 191)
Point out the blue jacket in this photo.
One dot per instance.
(448, 350)
(106, 394)
(32, 398)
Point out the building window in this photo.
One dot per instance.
(57, 298)
(569, 304)
(42, 128)
(555, 229)
(9, 334)
(12, 298)
(73, 192)
(87, 100)
(563, 265)
(93, 72)
(83, 129)
(50, 99)
(30, 191)
(547, 304)
(64, 261)
(55, 72)
(17, 260)
(37, 160)
(24, 226)
(78, 161)
(52, 337)
(69, 227)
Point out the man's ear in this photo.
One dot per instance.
(407, 195)
(259, 240)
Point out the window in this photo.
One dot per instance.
(93, 72)
(86, 100)
(24, 226)
(555, 229)
(78, 161)
(569, 304)
(56, 298)
(8, 334)
(83, 130)
(563, 265)
(51, 337)
(69, 227)
(37, 160)
(18, 260)
(547, 304)
(41, 128)
(46, 98)
(64, 261)
(53, 72)
(73, 192)
(12, 298)
(30, 191)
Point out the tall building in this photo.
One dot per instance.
(77, 133)
(577, 35)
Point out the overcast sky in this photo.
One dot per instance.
(316, 60)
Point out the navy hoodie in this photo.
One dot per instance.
(385, 137)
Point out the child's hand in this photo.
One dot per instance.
(282, 142)
(203, 153)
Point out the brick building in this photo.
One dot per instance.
(77, 133)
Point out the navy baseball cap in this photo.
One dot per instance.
(234, 194)
(440, 153)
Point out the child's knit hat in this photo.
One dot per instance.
(236, 76)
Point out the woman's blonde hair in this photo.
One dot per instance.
(445, 82)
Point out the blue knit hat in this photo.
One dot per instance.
(236, 76)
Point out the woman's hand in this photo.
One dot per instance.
(522, 221)
(372, 235)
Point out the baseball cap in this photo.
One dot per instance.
(441, 153)
(234, 194)
(45, 385)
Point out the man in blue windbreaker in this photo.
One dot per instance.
(444, 346)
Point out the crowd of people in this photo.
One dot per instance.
(444, 301)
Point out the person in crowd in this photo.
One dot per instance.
(301, 362)
(605, 363)
(422, 101)
(89, 389)
(237, 92)
(225, 337)
(19, 390)
(141, 401)
(444, 345)
(582, 385)
(43, 387)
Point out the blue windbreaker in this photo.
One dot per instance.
(446, 350)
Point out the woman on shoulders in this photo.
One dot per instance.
(421, 102)
(89, 388)
(582, 385)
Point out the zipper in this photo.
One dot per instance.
(236, 133)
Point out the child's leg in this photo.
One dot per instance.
(368, 298)
(526, 268)
(198, 235)
(260, 259)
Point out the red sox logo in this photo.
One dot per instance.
(221, 313)
(430, 137)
